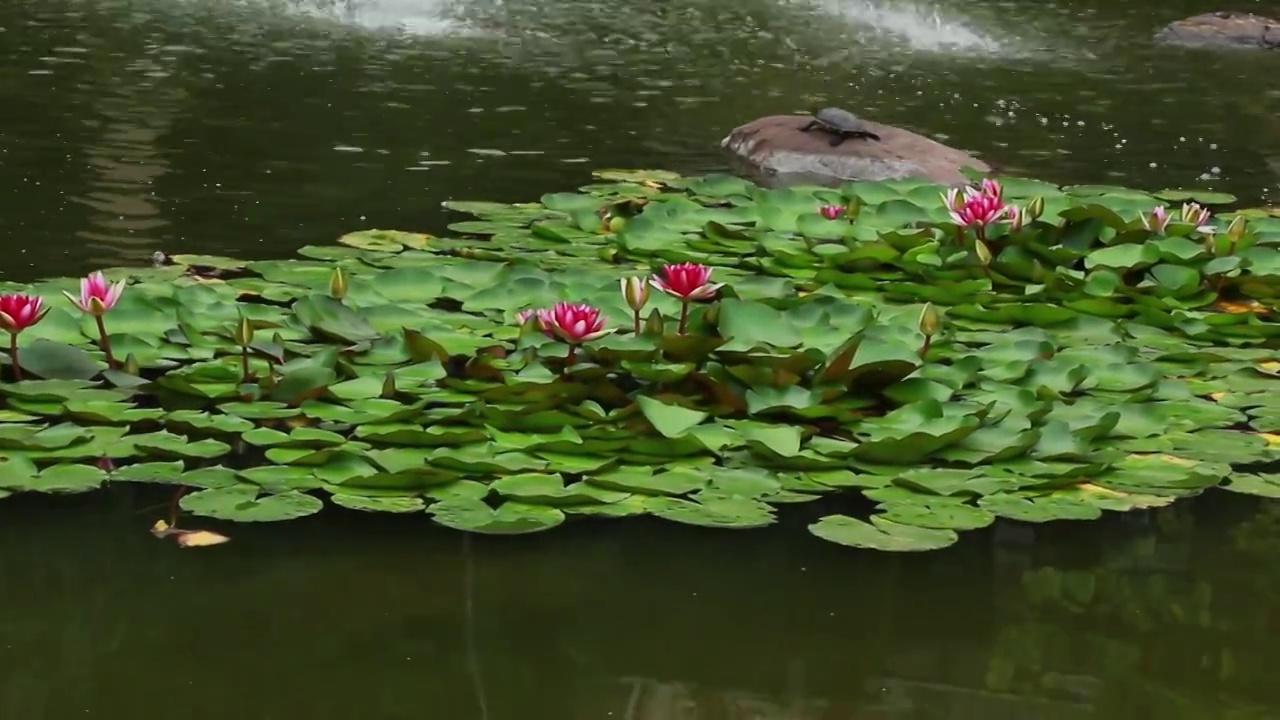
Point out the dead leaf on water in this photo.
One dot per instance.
(188, 538)
(200, 538)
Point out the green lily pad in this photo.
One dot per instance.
(881, 534)
(509, 518)
(242, 503)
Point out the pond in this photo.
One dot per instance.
(252, 129)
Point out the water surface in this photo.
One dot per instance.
(1169, 615)
(252, 128)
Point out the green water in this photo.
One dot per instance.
(339, 616)
(252, 129)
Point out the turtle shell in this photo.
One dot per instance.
(839, 120)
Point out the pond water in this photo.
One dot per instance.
(252, 128)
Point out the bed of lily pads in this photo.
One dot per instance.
(1081, 364)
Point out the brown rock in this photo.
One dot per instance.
(1227, 28)
(776, 152)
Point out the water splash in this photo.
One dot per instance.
(408, 17)
(918, 25)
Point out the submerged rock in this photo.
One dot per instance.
(777, 151)
(1228, 28)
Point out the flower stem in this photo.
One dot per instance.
(570, 358)
(924, 348)
(244, 364)
(635, 316)
(13, 356)
(981, 232)
(104, 342)
(684, 317)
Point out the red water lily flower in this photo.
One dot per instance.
(831, 212)
(574, 323)
(19, 311)
(686, 281)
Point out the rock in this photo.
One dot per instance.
(775, 151)
(1228, 28)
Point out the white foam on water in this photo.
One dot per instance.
(409, 17)
(918, 25)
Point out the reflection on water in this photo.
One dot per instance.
(134, 110)
(1169, 615)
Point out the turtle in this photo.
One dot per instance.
(842, 125)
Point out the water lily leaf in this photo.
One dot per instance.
(510, 518)
(364, 387)
(1039, 509)
(779, 440)
(1261, 484)
(744, 482)
(940, 515)
(304, 383)
(550, 489)
(629, 506)
(380, 504)
(482, 458)
(167, 444)
(62, 478)
(748, 324)
(712, 510)
(169, 473)
(459, 490)
(331, 318)
(671, 421)
(376, 240)
(881, 534)
(58, 361)
(108, 412)
(645, 480)
(1204, 197)
(242, 503)
(213, 476)
(1162, 474)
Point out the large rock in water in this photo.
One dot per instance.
(1228, 28)
(777, 152)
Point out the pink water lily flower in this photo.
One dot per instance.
(1157, 220)
(544, 319)
(19, 311)
(831, 212)
(976, 208)
(686, 281)
(574, 323)
(96, 295)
